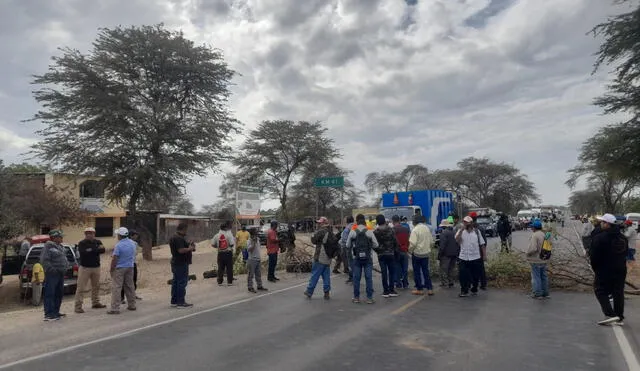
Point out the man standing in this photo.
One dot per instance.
(253, 262)
(504, 231)
(224, 242)
(402, 261)
(483, 251)
(470, 259)
(420, 243)
(321, 259)
(539, 280)
(54, 262)
(632, 236)
(241, 241)
(181, 257)
(346, 250)
(89, 271)
(135, 237)
(124, 255)
(387, 250)
(273, 245)
(362, 241)
(448, 252)
(608, 260)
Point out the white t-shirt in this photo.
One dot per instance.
(470, 245)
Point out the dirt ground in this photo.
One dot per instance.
(152, 275)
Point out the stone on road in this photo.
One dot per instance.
(497, 331)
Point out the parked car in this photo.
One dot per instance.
(283, 230)
(488, 225)
(33, 256)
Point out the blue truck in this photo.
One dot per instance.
(435, 205)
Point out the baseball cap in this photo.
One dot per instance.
(607, 218)
(473, 214)
(56, 233)
(122, 231)
(322, 220)
(467, 219)
(89, 230)
(445, 223)
(628, 222)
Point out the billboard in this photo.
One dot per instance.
(248, 203)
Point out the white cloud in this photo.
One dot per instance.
(395, 84)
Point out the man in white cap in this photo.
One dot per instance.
(90, 249)
(124, 255)
(608, 260)
(470, 258)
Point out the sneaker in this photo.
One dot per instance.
(385, 294)
(355, 300)
(307, 294)
(220, 284)
(619, 323)
(131, 308)
(262, 288)
(276, 278)
(113, 312)
(463, 295)
(173, 305)
(417, 292)
(49, 319)
(184, 306)
(370, 301)
(393, 294)
(609, 320)
(536, 297)
(251, 289)
(98, 306)
(327, 296)
(79, 310)
(60, 315)
(230, 284)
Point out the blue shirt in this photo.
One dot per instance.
(125, 250)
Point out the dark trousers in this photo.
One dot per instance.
(135, 280)
(469, 274)
(447, 268)
(342, 259)
(53, 291)
(605, 286)
(273, 261)
(348, 258)
(225, 264)
(179, 284)
(483, 275)
(388, 269)
(421, 274)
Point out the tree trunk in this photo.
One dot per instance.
(146, 239)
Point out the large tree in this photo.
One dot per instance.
(412, 177)
(587, 201)
(146, 109)
(276, 154)
(484, 183)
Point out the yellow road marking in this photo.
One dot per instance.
(407, 306)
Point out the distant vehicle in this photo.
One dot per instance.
(262, 231)
(33, 256)
(634, 217)
(516, 224)
(487, 224)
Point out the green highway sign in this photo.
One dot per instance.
(248, 189)
(329, 182)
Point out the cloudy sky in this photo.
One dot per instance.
(396, 81)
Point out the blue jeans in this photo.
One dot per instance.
(421, 273)
(273, 262)
(179, 284)
(317, 270)
(539, 280)
(358, 266)
(388, 269)
(53, 291)
(402, 270)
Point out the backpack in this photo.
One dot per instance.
(331, 245)
(362, 246)
(223, 244)
(545, 252)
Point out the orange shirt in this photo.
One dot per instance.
(272, 242)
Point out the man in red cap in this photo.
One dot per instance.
(326, 246)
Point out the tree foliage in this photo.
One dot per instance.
(146, 109)
(177, 203)
(588, 201)
(276, 154)
(412, 177)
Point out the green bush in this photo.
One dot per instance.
(508, 270)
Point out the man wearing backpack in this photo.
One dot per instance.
(387, 251)
(470, 259)
(402, 264)
(609, 250)
(326, 248)
(539, 280)
(362, 241)
(224, 242)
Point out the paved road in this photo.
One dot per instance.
(497, 331)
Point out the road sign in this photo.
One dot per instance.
(329, 182)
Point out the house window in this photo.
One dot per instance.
(104, 227)
(91, 189)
